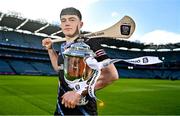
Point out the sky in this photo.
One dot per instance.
(157, 21)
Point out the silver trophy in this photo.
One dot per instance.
(75, 67)
(77, 74)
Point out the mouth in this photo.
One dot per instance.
(67, 29)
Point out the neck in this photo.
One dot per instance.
(71, 39)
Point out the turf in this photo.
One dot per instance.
(36, 95)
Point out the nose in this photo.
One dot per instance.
(67, 23)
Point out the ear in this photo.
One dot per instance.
(81, 24)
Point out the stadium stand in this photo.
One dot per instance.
(44, 68)
(169, 69)
(21, 51)
(23, 67)
(5, 68)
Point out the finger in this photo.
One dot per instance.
(62, 102)
(69, 104)
(65, 104)
(73, 106)
(43, 42)
(62, 99)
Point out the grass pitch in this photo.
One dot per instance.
(36, 95)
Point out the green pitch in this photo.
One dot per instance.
(36, 95)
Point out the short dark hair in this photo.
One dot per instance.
(71, 11)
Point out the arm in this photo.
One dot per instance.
(52, 53)
(54, 59)
(108, 72)
(108, 75)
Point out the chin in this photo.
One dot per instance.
(68, 34)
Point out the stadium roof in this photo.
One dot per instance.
(122, 44)
(16, 22)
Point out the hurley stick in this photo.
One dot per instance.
(123, 29)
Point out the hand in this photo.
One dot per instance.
(47, 43)
(70, 99)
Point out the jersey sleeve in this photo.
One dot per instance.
(95, 45)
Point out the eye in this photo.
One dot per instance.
(72, 20)
(63, 20)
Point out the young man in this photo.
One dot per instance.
(68, 100)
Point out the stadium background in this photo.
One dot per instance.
(21, 52)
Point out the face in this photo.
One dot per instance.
(70, 25)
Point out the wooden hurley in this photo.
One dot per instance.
(123, 29)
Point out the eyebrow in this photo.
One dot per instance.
(69, 18)
(72, 18)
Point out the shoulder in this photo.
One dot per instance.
(95, 42)
(95, 45)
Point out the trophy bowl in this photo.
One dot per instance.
(75, 67)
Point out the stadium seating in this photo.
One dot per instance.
(23, 54)
(167, 70)
(22, 67)
(13, 38)
(5, 68)
(33, 41)
(44, 68)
